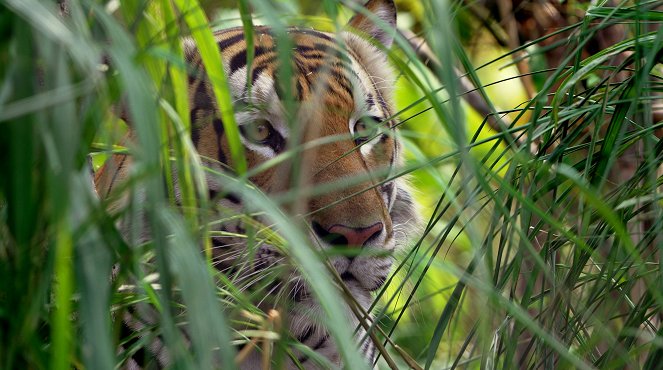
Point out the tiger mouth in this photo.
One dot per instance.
(295, 290)
(300, 292)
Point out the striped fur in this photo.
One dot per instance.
(342, 85)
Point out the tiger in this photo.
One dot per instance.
(342, 84)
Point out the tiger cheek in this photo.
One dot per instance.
(208, 141)
(262, 179)
(252, 159)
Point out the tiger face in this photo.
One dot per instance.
(344, 120)
(343, 132)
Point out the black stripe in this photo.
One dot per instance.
(319, 51)
(307, 68)
(327, 48)
(202, 98)
(306, 335)
(381, 280)
(342, 81)
(371, 357)
(315, 52)
(300, 90)
(195, 134)
(311, 54)
(218, 128)
(257, 70)
(197, 123)
(365, 346)
(300, 293)
(230, 41)
(233, 198)
(317, 346)
(322, 341)
(370, 103)
(383, 105)
(193, 76)
(127, 331)
(388, 187)
(239, 60)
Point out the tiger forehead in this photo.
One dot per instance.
(317, 59)
(306, 42)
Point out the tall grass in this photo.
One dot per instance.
(542, 235)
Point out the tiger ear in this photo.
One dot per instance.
(381, 32)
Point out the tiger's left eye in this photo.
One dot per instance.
(365, 129)
(258, 132)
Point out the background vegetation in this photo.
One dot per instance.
(533, 134)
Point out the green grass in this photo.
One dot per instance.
(541, 241)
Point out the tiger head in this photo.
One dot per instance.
(344, 122)
(342, 85)
(343, 135)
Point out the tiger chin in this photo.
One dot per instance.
(342, 85)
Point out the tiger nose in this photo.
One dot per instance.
(356, 236)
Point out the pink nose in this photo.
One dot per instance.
(357, 236)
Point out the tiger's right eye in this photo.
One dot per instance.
(258, 132)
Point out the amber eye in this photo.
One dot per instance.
(258, 132)
(365, 129)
